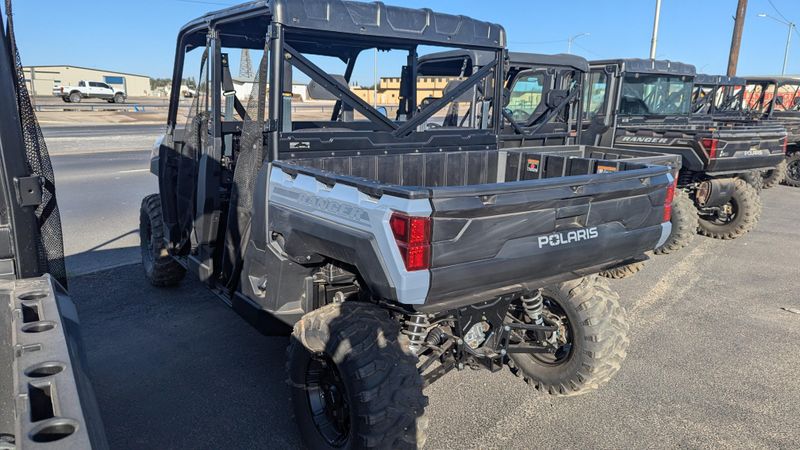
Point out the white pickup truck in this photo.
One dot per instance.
(90, 89)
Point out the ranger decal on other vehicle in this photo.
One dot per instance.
(644, 140)
(568, 237)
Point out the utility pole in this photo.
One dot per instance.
(375, 77)
(736, 41)
(654, 40)
(786, 52)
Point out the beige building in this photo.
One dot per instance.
(389, 90)
(42, 79)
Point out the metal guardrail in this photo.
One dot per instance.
(136, 107)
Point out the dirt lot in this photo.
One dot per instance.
(713, 362)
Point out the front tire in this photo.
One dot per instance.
(774, 177)
(684, 224)
(159, 267)
(354, 383)
(597, 330)
(792, 170)
(75, 97)
(735, 219)
(119, 98)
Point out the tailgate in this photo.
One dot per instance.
(490, 243)
(747, 148)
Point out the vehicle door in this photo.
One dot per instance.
(105, 91)
(598, 111)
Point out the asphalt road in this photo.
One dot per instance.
(713, 362)
(102, 174)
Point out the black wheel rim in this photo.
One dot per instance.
(555, 315)
(327, 400)
(793, 170)
(725, 214)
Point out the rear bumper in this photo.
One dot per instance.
(524, 264)
(744, 164)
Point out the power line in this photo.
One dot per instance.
(539, 42)
(591, 52)
(778, 11)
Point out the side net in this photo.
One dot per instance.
(247, 165)
(51, 242)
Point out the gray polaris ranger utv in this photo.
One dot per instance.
(777, 100)
(646, 104)
(398, 246)
(544, 109)
(721, 98)
(46, 398)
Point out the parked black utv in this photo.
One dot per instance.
(646, 104)
(395, 248)
(722, 99)
(776, 100)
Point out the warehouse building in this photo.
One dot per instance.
(41, 80)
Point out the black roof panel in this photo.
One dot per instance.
(518, 59)
(718, 80)
(363, 19)
(653, 66)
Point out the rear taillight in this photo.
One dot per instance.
(785, 144)
(668, 201)
(711, 147)
(413, 237)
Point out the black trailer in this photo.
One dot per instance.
(646, 104)
(46, 398)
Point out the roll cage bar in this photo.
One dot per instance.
(295, 27)
(459, 62)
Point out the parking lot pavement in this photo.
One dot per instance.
(713, 362)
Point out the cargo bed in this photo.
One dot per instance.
(502, 220)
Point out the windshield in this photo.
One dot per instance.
(662, 95)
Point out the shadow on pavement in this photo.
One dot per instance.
(176, 368)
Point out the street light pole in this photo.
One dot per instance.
(786, 51)
(791, 26)
(571, 39)
(654, 40)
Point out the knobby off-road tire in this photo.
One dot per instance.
(684, 224)
(754, 178)
(159, 268)
(774, 177)
(600, 340)
(628, 270)
(747, 205)
(354, 383)
(792, 177)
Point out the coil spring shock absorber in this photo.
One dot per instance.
(415, 326)
(533, 303)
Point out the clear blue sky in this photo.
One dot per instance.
(139, 36)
